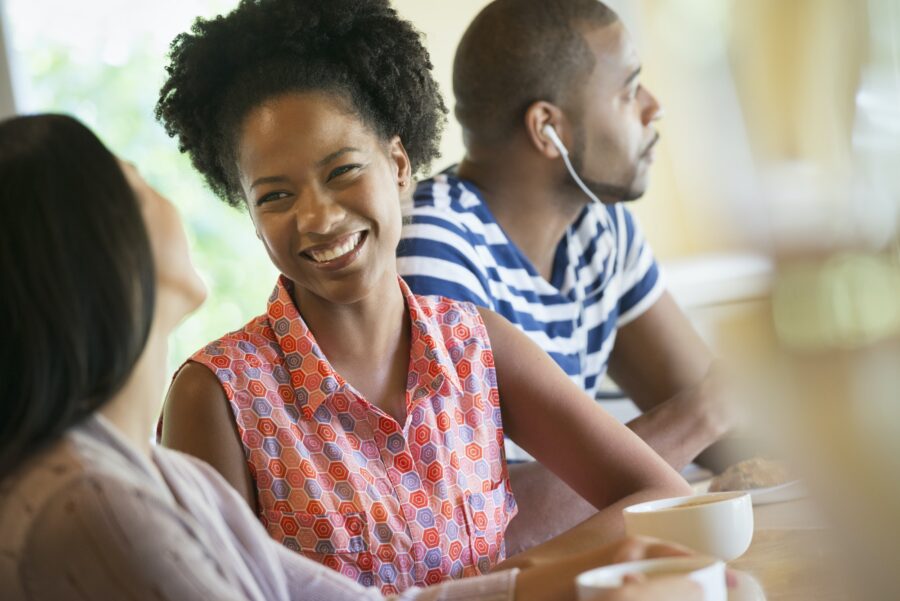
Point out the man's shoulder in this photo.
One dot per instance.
(446, 241)
(447, 193)
(447, 210)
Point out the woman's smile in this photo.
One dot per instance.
(337, 253)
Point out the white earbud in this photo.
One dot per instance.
(550, 132)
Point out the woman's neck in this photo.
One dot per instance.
(134, 410)
(367, 328)
(367, 343)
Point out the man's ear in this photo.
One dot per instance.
(401, 165)
(541, 116)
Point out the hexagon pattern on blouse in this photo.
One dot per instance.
(390, 505)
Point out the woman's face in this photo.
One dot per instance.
(179, 289)
(323, 191)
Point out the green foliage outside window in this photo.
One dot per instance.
(103, 62)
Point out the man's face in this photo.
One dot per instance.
(615, 136)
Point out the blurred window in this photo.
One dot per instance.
(103, 62)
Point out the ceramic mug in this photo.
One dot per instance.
(716, 524)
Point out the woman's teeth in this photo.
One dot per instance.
(324, 255)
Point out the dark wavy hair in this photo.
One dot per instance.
(77, 276)
(358, 50)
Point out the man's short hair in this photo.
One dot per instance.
(517, 52)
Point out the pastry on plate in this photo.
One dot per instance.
(750, 474)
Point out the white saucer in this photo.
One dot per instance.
(789, 491)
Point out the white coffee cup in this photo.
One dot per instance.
(708, 572)
(717, 524)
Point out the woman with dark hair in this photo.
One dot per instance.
(86, 345)
(95, 274)
(363, 423)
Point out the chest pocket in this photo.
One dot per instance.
(487, 516)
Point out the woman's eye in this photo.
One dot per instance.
(339, 171)
(270, 197)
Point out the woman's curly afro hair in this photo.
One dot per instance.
(358, 50)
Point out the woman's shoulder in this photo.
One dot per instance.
(452, 320)
(251, 347)
(78, 463)
(65, 501)
(25, 492)
(449, 323)
(250, 338)
(104, 527)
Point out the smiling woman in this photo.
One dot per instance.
(324, 195)
(363, 423)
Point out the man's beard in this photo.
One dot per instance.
(610, 193)
(607, 192)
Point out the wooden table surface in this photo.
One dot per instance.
(789, 557)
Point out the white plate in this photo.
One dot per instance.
(789, 491)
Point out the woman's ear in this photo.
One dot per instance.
(401, 165)
(542, 119)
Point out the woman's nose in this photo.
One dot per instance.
(317, 212)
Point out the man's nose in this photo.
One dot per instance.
(651, 110)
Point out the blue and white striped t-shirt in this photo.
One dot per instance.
(603, 277)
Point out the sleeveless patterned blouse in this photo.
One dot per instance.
(390, 505)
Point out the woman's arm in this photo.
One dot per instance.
(554, 420)
(549, 581)
(197, 420)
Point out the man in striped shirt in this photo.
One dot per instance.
(559, 134)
